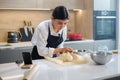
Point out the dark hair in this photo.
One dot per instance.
(61, 12)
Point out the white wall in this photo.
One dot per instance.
(105, 5)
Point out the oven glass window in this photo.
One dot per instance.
(104, 25)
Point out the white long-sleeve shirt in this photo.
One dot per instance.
(40, 37)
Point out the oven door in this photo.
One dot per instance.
(104, 27)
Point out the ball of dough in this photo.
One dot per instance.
(79, 59)
(66, 57)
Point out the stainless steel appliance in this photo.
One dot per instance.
(104, 25)
(101, 57)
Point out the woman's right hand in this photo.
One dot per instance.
(67, 49)
(62, 50)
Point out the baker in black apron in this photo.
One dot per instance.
(50, 34)
(53, 41)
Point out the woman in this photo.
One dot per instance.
(50, 34)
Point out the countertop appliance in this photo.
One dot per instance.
(104, 25)
(13, 37)
(74, 36)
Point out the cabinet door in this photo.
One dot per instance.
(106, 5)
(51, 4)
(73, 4)
(17, 3)
(10, 55)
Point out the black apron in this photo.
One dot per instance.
(52, 41)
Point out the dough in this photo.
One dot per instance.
(72, 57)
(79, 59)
(66, 57)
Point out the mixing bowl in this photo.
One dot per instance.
(101, 57)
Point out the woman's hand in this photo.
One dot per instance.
(62, 50)
(67, 49)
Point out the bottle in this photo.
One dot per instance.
(69, 31)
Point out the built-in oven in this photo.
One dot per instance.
(104, 25)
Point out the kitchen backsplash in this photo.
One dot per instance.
(12, 20)
(80, 22)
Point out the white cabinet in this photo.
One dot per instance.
(105, 5)
(17, 3)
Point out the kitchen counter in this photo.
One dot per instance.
(10, 52)
(52, 71)
(80, 44)
(28, 44)
(5, 45)
(78, 41)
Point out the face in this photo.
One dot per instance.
(59, 24)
